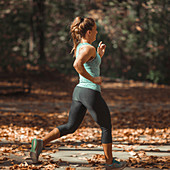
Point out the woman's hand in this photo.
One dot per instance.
(97, 80)
(101, 49)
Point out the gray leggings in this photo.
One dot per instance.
(87, 99)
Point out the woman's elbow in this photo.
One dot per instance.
(75, 65)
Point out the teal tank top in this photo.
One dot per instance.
(93, 68)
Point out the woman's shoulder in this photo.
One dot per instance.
(87, 47)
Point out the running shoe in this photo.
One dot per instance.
(36, 148)
(116, 165)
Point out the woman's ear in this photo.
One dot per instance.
(88, 32)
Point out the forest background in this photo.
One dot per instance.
(34, 36)
(37, 79)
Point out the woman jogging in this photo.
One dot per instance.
(87, 94)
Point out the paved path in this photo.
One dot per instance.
(76, 156)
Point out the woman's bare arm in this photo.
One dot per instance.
(85, 54)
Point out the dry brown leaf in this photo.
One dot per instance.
(69, 168)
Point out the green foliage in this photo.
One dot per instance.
(154, 76)
(136, 34)
(14, 34)
(141, 45)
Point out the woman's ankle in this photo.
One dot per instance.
(54, 134)
(109, 161)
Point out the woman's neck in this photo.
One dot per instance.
(83, 40)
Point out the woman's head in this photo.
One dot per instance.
(79, 28)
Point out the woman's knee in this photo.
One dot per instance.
(106, 129)
(71, 128)
(67, 129)
(106, 135)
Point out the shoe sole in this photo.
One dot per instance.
(123, 166)
(108, 168)
(33, 157)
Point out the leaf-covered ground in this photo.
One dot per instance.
(140, 114)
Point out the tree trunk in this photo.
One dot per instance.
(39, 8)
